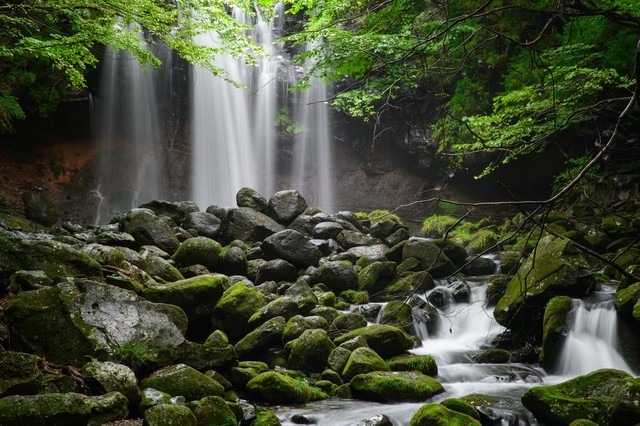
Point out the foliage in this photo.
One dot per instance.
(355, 297)
(133, 353)
(435, 226)
(378, 215)
(47, 47)
(504, 77)
(572, 167)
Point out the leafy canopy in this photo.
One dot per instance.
(502, 76)
(46, 46)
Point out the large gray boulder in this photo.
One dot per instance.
(22, 252)
(337, 276)
(248, 225)
(430, 256)
(205, 224)
(75, 320)
(293, 247)
(285, 206)
(176, 210)
(148, 229)
(105, 377)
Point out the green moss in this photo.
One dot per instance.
(394, 386)
(482, 240)
(461, 406)
(355, 297)
(435, 226)
(279, 388)
(554, 328)
(425, 364)
(439, 415)
(411, 281)
(363, 360)
(265, 417)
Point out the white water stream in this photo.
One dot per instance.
(464, 330)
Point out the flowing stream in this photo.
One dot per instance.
(464, 331)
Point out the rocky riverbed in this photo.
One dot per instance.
(180, 316)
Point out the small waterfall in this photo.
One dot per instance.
(223, 148)
(126, 130)
(592, 342)
(312, 150)
(234, 130)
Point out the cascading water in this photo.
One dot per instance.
(235, 142)
(223, 148)
(126, 128)
(313, 153)
(592, 342)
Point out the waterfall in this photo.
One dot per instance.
(234, 130)
(592, 342)
(125, 126)
(313, 154)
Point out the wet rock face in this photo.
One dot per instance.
(248, 225)
(293, 247)
(285, 206)
(75, 319)
(147, 228)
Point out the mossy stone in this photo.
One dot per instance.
(555, 269)
(439, 415)
(394, 386)
(399, 314)
(624, 409)
(257, 341)
(310, 351)
(265, 417)
(363, 360)
(493, 356)
(213, 411)
(425, 364)
(555, 327)
(245, 371)
(376, 276)
(627, 298)
(169, 415)
(584, 397)
(386, 340)
(237, 304)
(198, 250)
(461, 406)
(278, 388)
(107, 408)
(52, 409)
(182, 380)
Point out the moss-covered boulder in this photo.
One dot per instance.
(624, 409)
(148, 229)
(336, 275)
(431, 257)
(52, 409)
(394, 386)
(237, 304)
(214, 411)
(399, 314)
(55, 259)
(265, 417)
(310, 351)
(25, 374)
(246, 370)
(461, 406)
(182, 380)
(555, 327)
(105, 377)
(425, 364)
(198, 251)
(362, 360)
(106, 408)
(555, 269)
(626, 300)
(74, 320)
(255, 344)
(278, 388)
(493, 356)
(347, 322)
(410, 283)
(376, 276)
(169, 415)
(386, 340)
(248, 197)
(584, 397)
(303, 295)
(196, 296)
(439, 415)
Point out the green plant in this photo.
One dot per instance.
(133, 353)
(355, 297)
(285, 122)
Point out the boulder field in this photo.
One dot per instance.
(179, 316)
